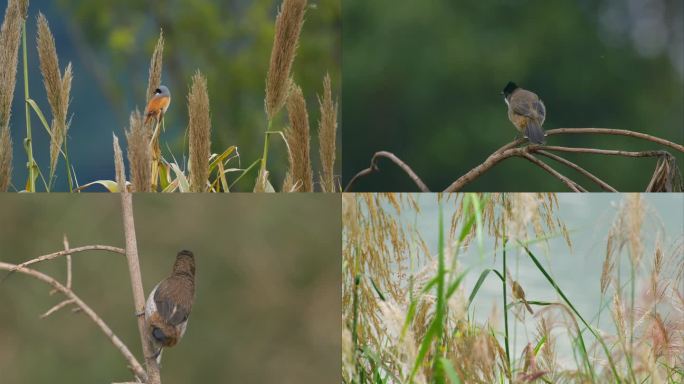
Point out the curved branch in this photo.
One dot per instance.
(610, 152)
(571, 184)
(134, 365)
(605, 186)
(71, 251)
(617, 132)
(374, 168)
(476, 172)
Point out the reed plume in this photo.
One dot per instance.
(327, 133)
(297, 136)
(10, 36)
(200, 133)
(119, 168)
(57, 88)
(154, 79)
(139, 155)
(287, 28)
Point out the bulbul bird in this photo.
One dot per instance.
(169, 304)
(158, 104)
(526, 111)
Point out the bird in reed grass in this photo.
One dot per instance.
(519, 294)
(158, 104)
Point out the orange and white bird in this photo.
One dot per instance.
(158, 104)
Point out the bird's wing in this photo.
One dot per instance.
(171, 304)
(528, 104)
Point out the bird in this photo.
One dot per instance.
(526, 111)
(169, 304)
(519, 294)
(158, 104)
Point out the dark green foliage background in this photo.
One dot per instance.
(267, 301)
(423, 82)
(110, 44)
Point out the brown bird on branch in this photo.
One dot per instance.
(169, 304)
(526, 111)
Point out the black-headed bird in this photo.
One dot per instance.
(526, 111)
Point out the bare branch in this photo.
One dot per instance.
(152, 376)
(579, 169)
(374, 168)
(617, 132)
(571, 184)
(609, 152)
(70, 252)
(135, 367)
(68, 258)
(57, 308)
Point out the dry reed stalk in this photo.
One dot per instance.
(57, 87)
(10, 37)
(287, 29)
(200, 133)
(297, 136)
(139, 155)
(327, 133)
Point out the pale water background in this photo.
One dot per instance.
(577, 271)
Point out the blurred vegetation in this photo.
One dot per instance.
(267, 305)
(424, 82)
(110, 44)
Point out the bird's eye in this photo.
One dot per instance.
(157, 91)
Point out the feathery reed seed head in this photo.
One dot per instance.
(119, 169)
(154, 79)
(200, 133)
(287, 29)
(57, 87)
(327, 134)
(297, 136)
(10, 37)
(138, 137)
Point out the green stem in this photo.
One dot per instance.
(264, 156)
(68, 164)
(31, 183)
(505, 311)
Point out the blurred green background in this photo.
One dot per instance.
(424, 81)
(110, 44)
(267, 306)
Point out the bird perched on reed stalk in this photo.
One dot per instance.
(526, 111)
(158, 104)
(519, 294)
(169, 304)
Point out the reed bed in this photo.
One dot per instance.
(150, 168)
(408, 317)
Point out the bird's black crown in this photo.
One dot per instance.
(510, 87)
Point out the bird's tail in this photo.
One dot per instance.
(534, 132)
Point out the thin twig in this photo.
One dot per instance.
(135, 367)
(56, 308)
(68, 259)
(72, 251)
(579, 169)
(374, 168)
(571, 184)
